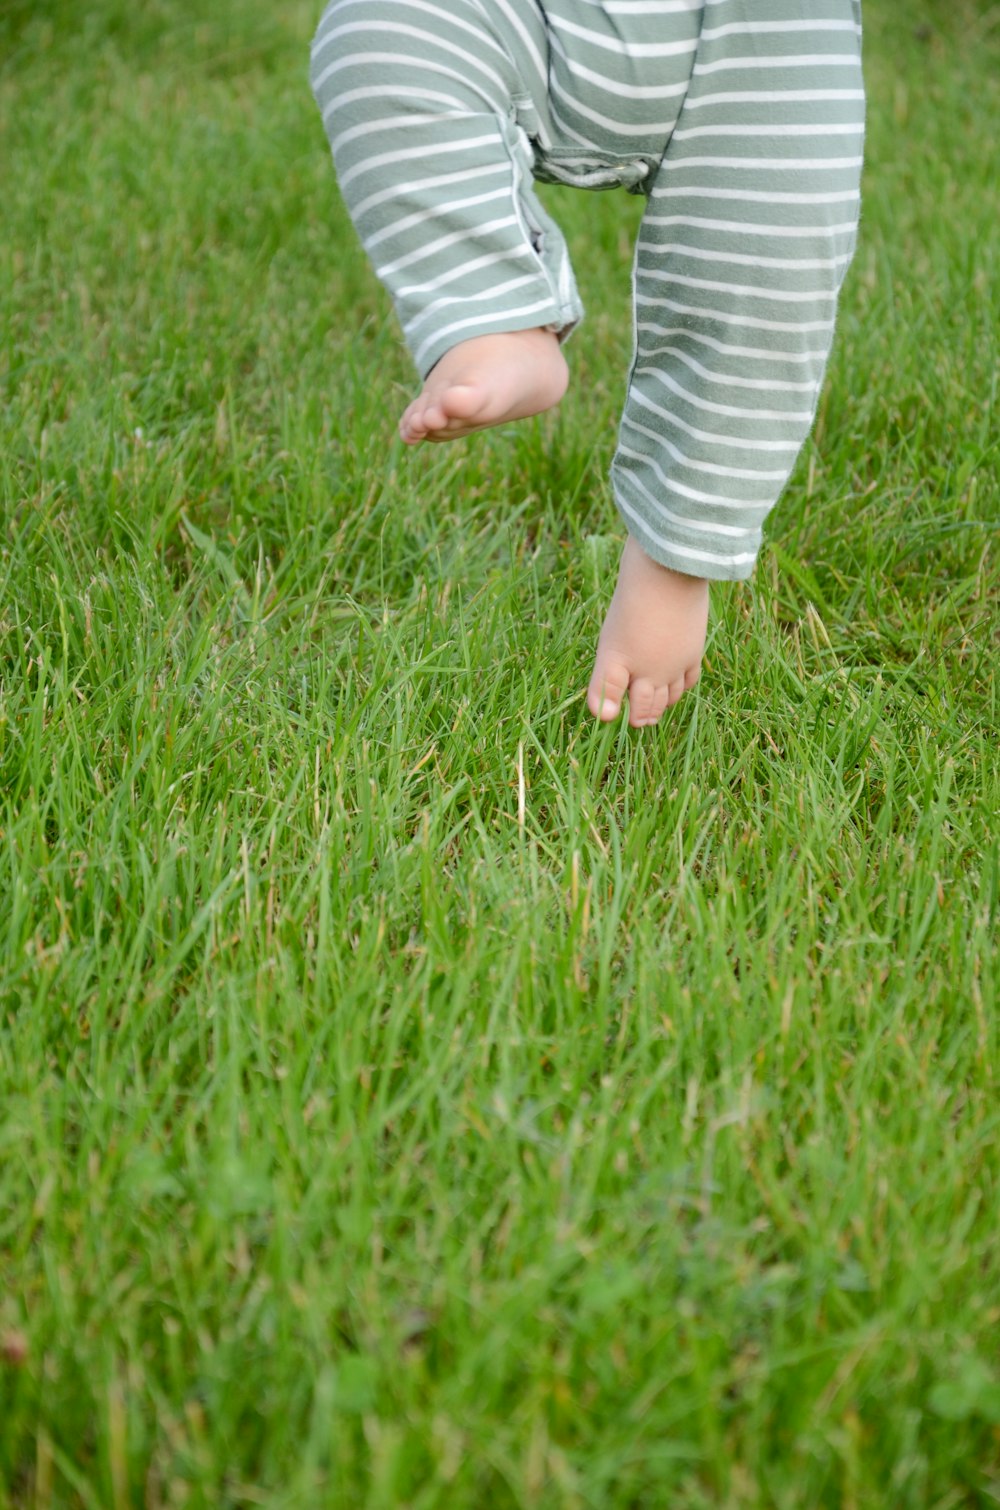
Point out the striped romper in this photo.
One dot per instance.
(740, 121)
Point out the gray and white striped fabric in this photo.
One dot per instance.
(741, 121)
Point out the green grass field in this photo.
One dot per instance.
(413, 1093)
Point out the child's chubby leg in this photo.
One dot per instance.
(486, 381)
(652, 642)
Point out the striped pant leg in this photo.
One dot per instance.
(748, 231)
(420, 99)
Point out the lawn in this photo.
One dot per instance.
(412, 1093)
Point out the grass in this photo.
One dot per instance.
(414, 1094)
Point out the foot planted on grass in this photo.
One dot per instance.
(652, 642)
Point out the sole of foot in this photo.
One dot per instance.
(652, 640)
(487, 381)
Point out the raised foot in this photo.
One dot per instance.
(487, 381)
(652, 642)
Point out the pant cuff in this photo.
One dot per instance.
(684, 547)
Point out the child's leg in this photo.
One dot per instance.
(420, 103)
(750, 226)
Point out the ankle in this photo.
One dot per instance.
(639, 558)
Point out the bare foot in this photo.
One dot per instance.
(652, 640)
(487, 381)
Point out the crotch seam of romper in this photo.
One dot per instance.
(523, 114)
(533, 232)
(578, 167)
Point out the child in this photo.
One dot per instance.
(741, 121)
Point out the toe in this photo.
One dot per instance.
(641, 702)
(462, 402)
(412, 426)
(653, 710)
(683, 684)
(434, 417)
(607, 688)
(661, 702)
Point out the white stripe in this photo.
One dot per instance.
(850, 128)
(756, 196)
(799, 60)
(751, 228)
(741, 290)
(773, 97)
(771, 164)
(758, 28)
(645, 7)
